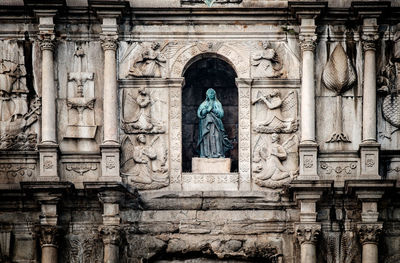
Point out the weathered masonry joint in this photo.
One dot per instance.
(200, 131)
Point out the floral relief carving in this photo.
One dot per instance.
(339, 168)
(16, 169)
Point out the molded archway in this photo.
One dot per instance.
(202, 72)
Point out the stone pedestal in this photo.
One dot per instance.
(211, 165)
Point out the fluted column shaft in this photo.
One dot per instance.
(370, 35)
(110, 106)
(48, 91)
(307, 41)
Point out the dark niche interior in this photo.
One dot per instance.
(210, 72)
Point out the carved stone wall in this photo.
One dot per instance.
(95, 121)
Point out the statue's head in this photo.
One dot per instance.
(211, 94)
(141, 138)
(142, 91)
(155, 45)
(275, 93)
(275, 137)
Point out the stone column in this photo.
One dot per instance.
(111, 241)
(48, 243)
(369, 229)
(110, 230)
(369, 237)
(307, 234)
(110, 146)
(369, 37)
(48, 145)
(307, 194)
(48, 225)
(308, 147)
(369, 148)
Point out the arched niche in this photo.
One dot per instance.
(201, 73)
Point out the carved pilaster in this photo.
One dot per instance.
(109, 41)
(369, 233)
(111, 235)
(307, 233)
(48, 236)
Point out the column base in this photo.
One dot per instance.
(369, 158)
(308, 152)
(110, 163)
(48, 154)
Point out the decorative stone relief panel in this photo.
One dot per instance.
(22, 167)
(210, 2)
(332, 167)
(82, 244)
(339, 71)
(144, 136)
(80, 78)
(80, 169)
(274, 134)
(20, 104)
(143, 60)
(388, 84)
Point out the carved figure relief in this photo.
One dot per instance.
(18, 110)
(150, 62)
(273, 163)
(144, 161)
(81, 102)
(339, 76)
(266, 63)
(281, 114)
(137, 113)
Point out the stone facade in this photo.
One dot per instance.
(98, 130)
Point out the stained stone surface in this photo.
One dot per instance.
(307, 177)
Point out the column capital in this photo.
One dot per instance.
(307, 42)
(109, 41)
(370, 34)
(307, 35)
(307, 233)
(111, 234)
(48, 236)
(47, 41)
(369, 232)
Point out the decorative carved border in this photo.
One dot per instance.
(231, 55)
(175, 133)
(244, 87)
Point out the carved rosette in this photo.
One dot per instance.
(109, 41)
(47, 42)
(369, 233)
(48, 236)
(308, 42)
(111, 234)
(307, 233)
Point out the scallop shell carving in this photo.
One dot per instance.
(339, 74)
(391, 109)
